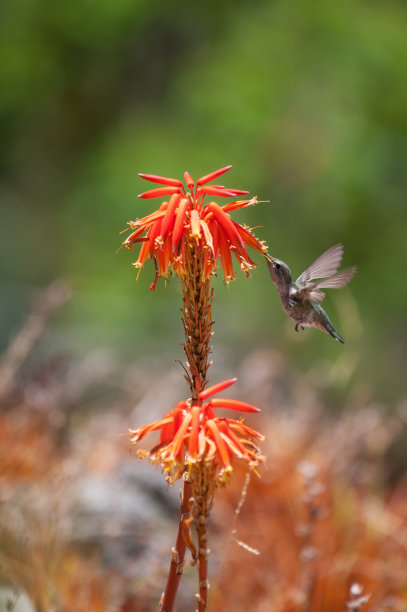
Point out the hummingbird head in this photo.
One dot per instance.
(279, 271)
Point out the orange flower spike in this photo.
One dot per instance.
(169, 217)
(219, 442)
(216, 388)
(195, 224)
(193, 445)
(212, 175)
(162, 180)
(231, 404)
(159, 192)
(225, 222)
(179, 223)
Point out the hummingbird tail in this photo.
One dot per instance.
(335, 335)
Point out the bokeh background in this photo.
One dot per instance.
(307, 101)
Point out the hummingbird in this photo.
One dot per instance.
(301, 299)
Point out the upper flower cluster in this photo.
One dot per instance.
(192, 432)
(183, 218)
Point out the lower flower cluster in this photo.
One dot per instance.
(191, 432)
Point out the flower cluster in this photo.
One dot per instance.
(192, 432)
(183, 217)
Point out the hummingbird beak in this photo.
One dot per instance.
(267, 256)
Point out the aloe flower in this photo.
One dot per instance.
(164, 233)
(191, 432)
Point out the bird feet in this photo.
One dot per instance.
(296, 327)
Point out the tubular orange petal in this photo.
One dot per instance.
(237, 205)
(159, 192)
(232, 446)
(224, 427)
(208, 264)
(216, 388)
(142, 255)
(248, 238)
(210, 449)
(231, 404)
(201, 442)
(223, 193)
(169, 217)
(242, 254)
(225, 256)
(213, 228)
(208, 236)
(167, 431)
(193, 445)
(141, 432)
(145, 221)
(189, 180)
(195, 224)
(239, 191)
(210, 413)
(164, 256)
(178, 441)
(219, 442)
(130, 240)
(225, 222)
(244, 429)
(212, 175)
(162, 180)
(155, 233)
(179, 223)
(178, 414)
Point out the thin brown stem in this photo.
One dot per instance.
(177, 553)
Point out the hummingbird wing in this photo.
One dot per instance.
(326, 265)
(312, 290)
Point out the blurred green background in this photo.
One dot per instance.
(307, 100)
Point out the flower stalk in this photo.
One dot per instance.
(197, 319)
(186, 237)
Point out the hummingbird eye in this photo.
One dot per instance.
(277, 266)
